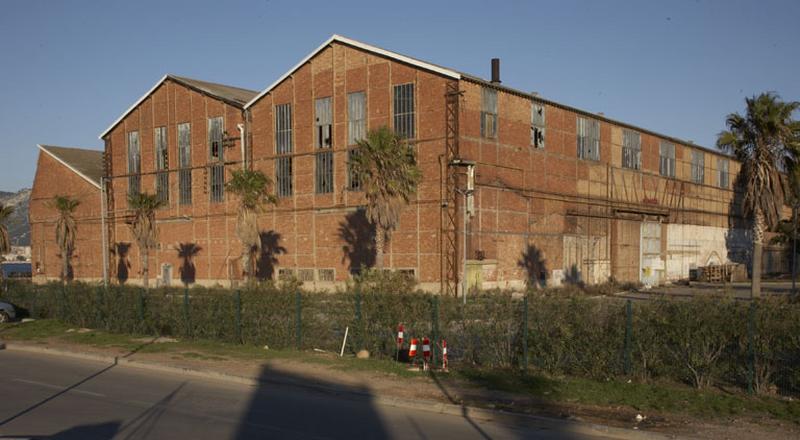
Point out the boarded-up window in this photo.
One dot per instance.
(162, 165)
(723, 179)
(631, 149)
(323, 176)
(353, 180)
(666, 153)
(698, 166)
(134, 164)
(216, 159)
(356, 117)
(537, 125)
(185, 164)
(283, 148)
(488, 113)
(404, 110)
(588, 139)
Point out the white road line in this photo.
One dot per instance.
(57, 387)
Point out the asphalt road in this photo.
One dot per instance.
(45, 396)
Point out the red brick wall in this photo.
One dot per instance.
(211, 226)
(52, 179)
(309, 224)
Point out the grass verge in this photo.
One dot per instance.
(647, 397)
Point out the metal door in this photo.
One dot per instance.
(651, 263)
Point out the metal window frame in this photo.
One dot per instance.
(488, 113)
(184, 163)
(723, 172)
(283, 129)
(631, 149)
(698, 167)
(666, 154)
(216, 181)
(356, 123)
(588, 136)
(353, 181)
(283, 176)
(323, 175)
(161, 147)
(538, 128)
(404, 110)
(323, 123)
(134, 163)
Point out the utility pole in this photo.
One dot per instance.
(794, 250)
(104, 229)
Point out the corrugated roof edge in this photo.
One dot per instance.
(350, 42)
(603, 118)
(44, 148)
(460, 75)
(182, 81)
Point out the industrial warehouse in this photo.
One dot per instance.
(516, 189)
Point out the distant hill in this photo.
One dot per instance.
(18, 227)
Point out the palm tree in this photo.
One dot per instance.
(144, 208)
(762, 140)
(252, 188)
(5, 240)
(386, 167)
(66, 231)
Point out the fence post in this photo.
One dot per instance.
(628, 334)
(63, 303)
(359, 330)
(751, 352)
(238, 317)
(140, 307)
(186, 317)
(98, 308)
(435, 330)
(525, 332)
(298, 325)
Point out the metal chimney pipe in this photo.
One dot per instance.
(496, 70)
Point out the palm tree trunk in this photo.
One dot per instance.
(247, 265)
(380, 243)
(64, 266)
(145, 268)
(758, 240)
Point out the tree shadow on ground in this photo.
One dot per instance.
(121, 251)
(359, 235)
(534, 265)
(268, 258)
(187, 252)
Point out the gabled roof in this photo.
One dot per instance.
(86, 163)
(235, 96)
(468, 77)
(367, 47)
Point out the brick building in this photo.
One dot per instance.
(178, 141)
(77, 173)
(551, 193)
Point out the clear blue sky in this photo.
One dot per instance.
(69, 69)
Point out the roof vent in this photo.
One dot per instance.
(496, 71)
(600, 114)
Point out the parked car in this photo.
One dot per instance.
(7, 312)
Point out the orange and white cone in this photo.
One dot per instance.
(412, 351)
